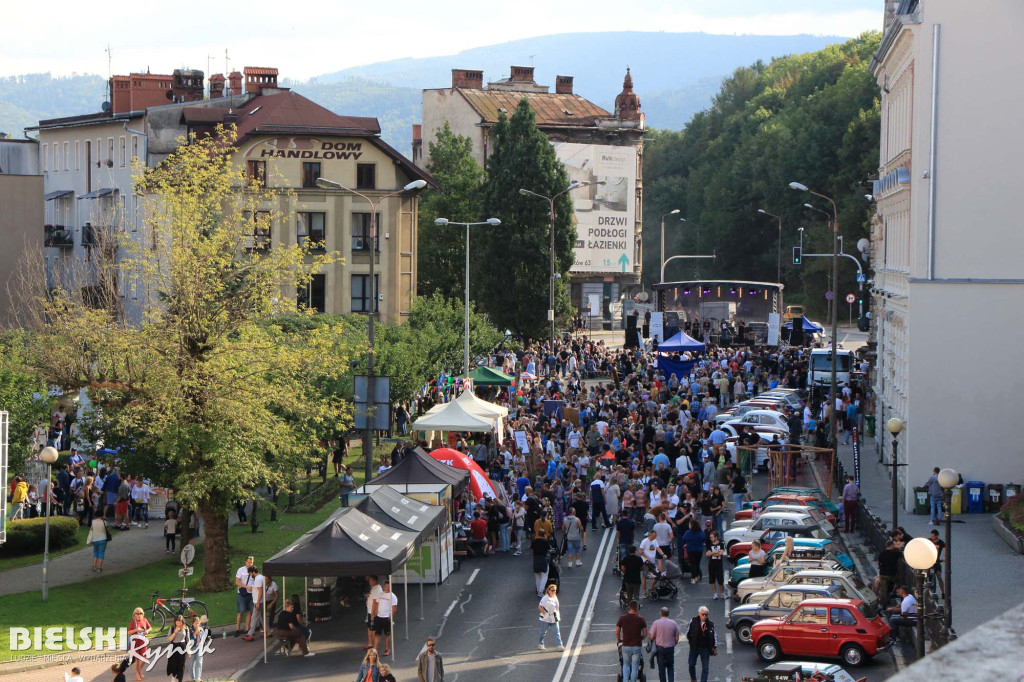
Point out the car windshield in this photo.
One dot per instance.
(869, 610)
(857, 582)
(821, 362)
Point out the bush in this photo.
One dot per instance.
(1013, 513)
(28, 536)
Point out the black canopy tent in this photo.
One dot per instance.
(419, 467)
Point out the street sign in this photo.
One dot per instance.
(188, 553)
(850, 298)
(860, 278)
(829, 295)
(182, 572)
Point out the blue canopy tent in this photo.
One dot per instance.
(681, 343)
(809, 326)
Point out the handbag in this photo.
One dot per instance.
(107, 531)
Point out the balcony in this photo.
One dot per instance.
(58, 236)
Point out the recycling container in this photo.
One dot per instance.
(994, 497)
(975, 497)
(869, 424)
(1012, 489)
(921, 506)
(956, 500)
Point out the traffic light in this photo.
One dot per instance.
(797, 255)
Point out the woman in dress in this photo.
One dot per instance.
(549, 616)
(177, 638)
(611, 497)
(558, 507)
(138, 644)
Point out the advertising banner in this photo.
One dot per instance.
(605, 209)
(773, 328)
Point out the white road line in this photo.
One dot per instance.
(600, 563)
(472, 577)
(451, 607)
(728, 633)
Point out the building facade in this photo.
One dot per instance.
(595, 145)
(21, 219)
(946, 238)
(89, 164)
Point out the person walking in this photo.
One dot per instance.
(716, 572)
(693, 541)
(371, 604)
(703, 640)
(346, 486)
(549, 617)
(573, 532)
(369, 671)
(258, 616)
(850, 494)
(665, 634)
(385, 609)
(177, 639)
(540, 548)
(98, 536)
(200, 635)
(429, 664)
(630, 630)
(934, 498)
(243, 601)
(137, 640)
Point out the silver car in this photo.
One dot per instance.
(854, 586)
(779, 574)
(779, 604)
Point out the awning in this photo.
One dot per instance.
(100, 193)
(388, 506)
(488, 376)
(454, 417)
(419, 467)
(50, 196)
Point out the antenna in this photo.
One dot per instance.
(531, 59)
(227, 61)
(110, 62)
(209, 71)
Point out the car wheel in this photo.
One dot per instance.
(746, 598)
(769, 650)
(729, 546)
(745, 632)
(852, 654)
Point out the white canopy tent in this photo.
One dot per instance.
(471, 403)
(454, 417)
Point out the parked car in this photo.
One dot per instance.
(854, 586)
(785, 499)
(763, 418)
(766, 432)
(772, 535)
(779, 604)
(803, 548)
(740, 410)
(827, 628)
(790, 395)
(778, 575)
(807, 671)
(815, 513)
(817, 493)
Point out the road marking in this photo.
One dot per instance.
(472, 577)
(600, 562)
(728, 633)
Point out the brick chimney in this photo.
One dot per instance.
(563, 85)
(234, 83)
(467, 78)
(216, 86)
(259, 77)
(522, 74)
(187, 85)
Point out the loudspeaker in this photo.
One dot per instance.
(631, 321)
(796, 337)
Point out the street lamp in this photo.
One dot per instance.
(778, 274)
(575, 184)
(674, 211)
(324, 183)
(920, 554)
(948, 479)
(696, 265)
(833, 420)
(49, 456)
(895, 426)
(494, 222)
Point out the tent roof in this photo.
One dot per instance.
(419, 467)
(481, 407)
(454, 417)
(808, 325)
(488, 376)
(680, 342)
(348, 543)
(388, 506)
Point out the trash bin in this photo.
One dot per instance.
(1012, 489)
(921, 506)
(956, 500)
(994, 498)
(975, 497)
(869, 424)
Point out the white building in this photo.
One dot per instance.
(947, 240)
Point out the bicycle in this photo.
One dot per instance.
(162, 609)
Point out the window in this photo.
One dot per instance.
(256, 171)
(312, 228)
(816, 615)
(123, 150)
(310, 172)
(135, 148)
(361, 295)
(366, 176)
(78, 151)
(46, 157)
(67, 156)
(260, 240)
(843, 617)
(314, 294)
(110, 151)
(361, 232)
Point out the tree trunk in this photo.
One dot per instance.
(185, 523)
(215, 562)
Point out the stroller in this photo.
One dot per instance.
(554, 569)
(641, 676)
(663, 587)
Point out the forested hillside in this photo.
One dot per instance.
(811, 118)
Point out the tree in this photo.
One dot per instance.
(23, 395)
(513, 263)
(441, 254)
(224, 402)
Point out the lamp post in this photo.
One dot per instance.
(575, 184)
(323, 183)
(778, 269)
(696, 266)
(895, 426)
(674, 211)
(833, 415)
(920, 554)
(948, 479)
(444, 221)
(49, 456)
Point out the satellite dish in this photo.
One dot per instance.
(644, 296)
(105, 107)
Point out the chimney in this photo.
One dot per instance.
(522, 74)
(187, 85)
(563, 85)
(234, 83)
(417, 131)
(259, 77)
(216, 86)
(467, 78)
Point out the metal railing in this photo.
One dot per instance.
(57, 235)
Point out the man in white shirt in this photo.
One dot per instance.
(574, 437)
(905, 614)
(385, 608)
(140, 497)
(243, 583)
(651, 553)
(371, 605)
(257, 603)
(75, 676)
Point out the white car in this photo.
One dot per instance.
(854, 586)
(746, 406)
(789, 395)
(779, 574)
(756, 418)
(813, 512)
(767, 520)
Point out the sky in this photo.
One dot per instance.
(323, 37)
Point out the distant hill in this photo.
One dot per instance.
(675, 74)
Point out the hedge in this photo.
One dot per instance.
(28, 536)
(1013, 512)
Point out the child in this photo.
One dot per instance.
(170, 528)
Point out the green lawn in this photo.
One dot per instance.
(29, 559)
(107, 601)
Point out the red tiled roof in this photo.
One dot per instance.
(260, 71)
(552, 109)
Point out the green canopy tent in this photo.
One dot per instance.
(488, 376)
